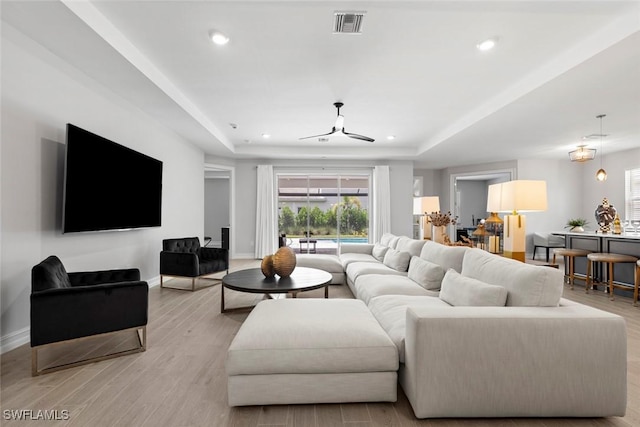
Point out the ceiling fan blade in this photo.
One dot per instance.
(356, 136)
(319, 136)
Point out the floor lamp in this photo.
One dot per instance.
(425, 206)
(517, 197)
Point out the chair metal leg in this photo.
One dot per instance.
(589, 279)
(142, 346)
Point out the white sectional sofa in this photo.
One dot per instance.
(479, 335)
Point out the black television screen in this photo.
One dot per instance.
(108, 186)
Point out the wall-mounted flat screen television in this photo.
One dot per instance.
(108, 186)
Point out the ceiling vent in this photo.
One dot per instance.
(595, 136)
(348, 22)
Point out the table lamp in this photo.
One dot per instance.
(494, 222)
(425, 206)
(517, 197)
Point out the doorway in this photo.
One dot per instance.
(218, 205)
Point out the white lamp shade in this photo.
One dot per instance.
(426, 204)
(523, 196)
(494, 198)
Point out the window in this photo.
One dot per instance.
(632, 194)
(317, 212)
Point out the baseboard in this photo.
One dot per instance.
(154, 281)
(14, 339)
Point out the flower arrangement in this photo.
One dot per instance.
(438, 218)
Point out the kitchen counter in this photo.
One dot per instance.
(625, 244)
(628, 235)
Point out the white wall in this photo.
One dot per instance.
(40, 94)
(613, 188)
(401, 177)
(430, 181)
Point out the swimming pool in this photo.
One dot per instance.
(352, 240)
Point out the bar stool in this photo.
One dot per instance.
(570, 254)
(611, 259)
(635, 290)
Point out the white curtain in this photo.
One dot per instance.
(381, 202)
(266, 223)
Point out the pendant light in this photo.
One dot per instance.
(601, 175)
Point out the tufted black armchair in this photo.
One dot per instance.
(69, 306)
(186, 258)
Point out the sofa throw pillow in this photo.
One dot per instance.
(397, 260)
(413, 246)
(379, 251)
(425, 273)
(458, 290)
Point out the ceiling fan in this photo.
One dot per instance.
(338, 128)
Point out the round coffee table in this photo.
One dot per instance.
(253, 281)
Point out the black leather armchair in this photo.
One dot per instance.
(186, 258)
(70, 306)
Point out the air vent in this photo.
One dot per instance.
(348, 22)
(595, 136)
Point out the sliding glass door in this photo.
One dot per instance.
(317, 212)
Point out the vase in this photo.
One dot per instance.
(284, 261)
(577, 229)
(438, 232)
(267, 266)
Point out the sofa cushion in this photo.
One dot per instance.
(397, 260)
(379, 251)
(445, 256)
(413, 246)
(386, 239)
(391, 312)
(357, 269)
(373, 285)
(425, 273)
(348, 258)
(527, 285)
(458, 290)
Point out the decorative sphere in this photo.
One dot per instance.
(267, 266)
(284, 261)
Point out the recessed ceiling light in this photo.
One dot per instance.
(391, 137)
(218, 38)
(487, 44)
(266, 136)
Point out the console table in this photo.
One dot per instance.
(625, 244)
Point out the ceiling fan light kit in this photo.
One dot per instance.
(338, 128)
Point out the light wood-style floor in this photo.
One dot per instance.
(180, 380)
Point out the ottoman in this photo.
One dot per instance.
(300, 351)
(329, 263)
